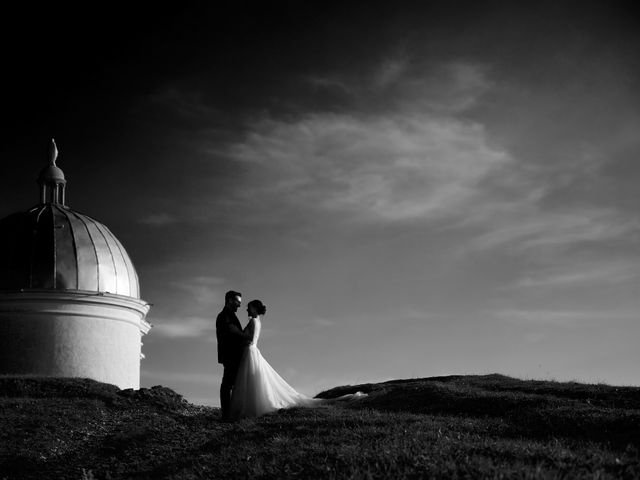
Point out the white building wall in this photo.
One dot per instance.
(72, 334)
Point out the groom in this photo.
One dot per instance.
(231, 342)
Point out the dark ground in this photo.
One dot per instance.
(443, 427)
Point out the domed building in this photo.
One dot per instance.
(69, 294)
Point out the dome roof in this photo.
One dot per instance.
(52, 247)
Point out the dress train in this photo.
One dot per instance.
(259, 389)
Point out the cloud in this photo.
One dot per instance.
(404, 151)
(390, 72)
(185, 327)
(400, 152)
(327, 82)
(397, 151)
(205, 291)
(391, 167)
(452, 88)
(403, 82)
(552, 230)
(597, 273)
(562, 318)
(198, 299)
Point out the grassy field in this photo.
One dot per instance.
(443, 427)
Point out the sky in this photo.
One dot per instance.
(413, 189)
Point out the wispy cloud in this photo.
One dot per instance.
(403, 152)
(328, 82)
(581, 274)
(451, 88)
(401, 81)
(185, 327)
(395, 167)
(562, 318)
(548, 229)
(205, 292)
(390, 71)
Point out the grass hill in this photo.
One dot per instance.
(488, 426)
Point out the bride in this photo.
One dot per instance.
(258, 387)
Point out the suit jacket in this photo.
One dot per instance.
(231, 339)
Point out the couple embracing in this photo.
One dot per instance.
(250, 386)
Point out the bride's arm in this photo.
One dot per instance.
(249, 331)
(234, 331)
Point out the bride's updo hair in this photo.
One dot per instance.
(258, 306)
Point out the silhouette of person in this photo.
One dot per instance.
(231, 342)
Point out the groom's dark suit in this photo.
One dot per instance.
(231, 343)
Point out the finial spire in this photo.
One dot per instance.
(51, 179)
(53, 153)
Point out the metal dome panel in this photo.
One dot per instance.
(53, 247)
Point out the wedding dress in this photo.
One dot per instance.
(259, 389)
